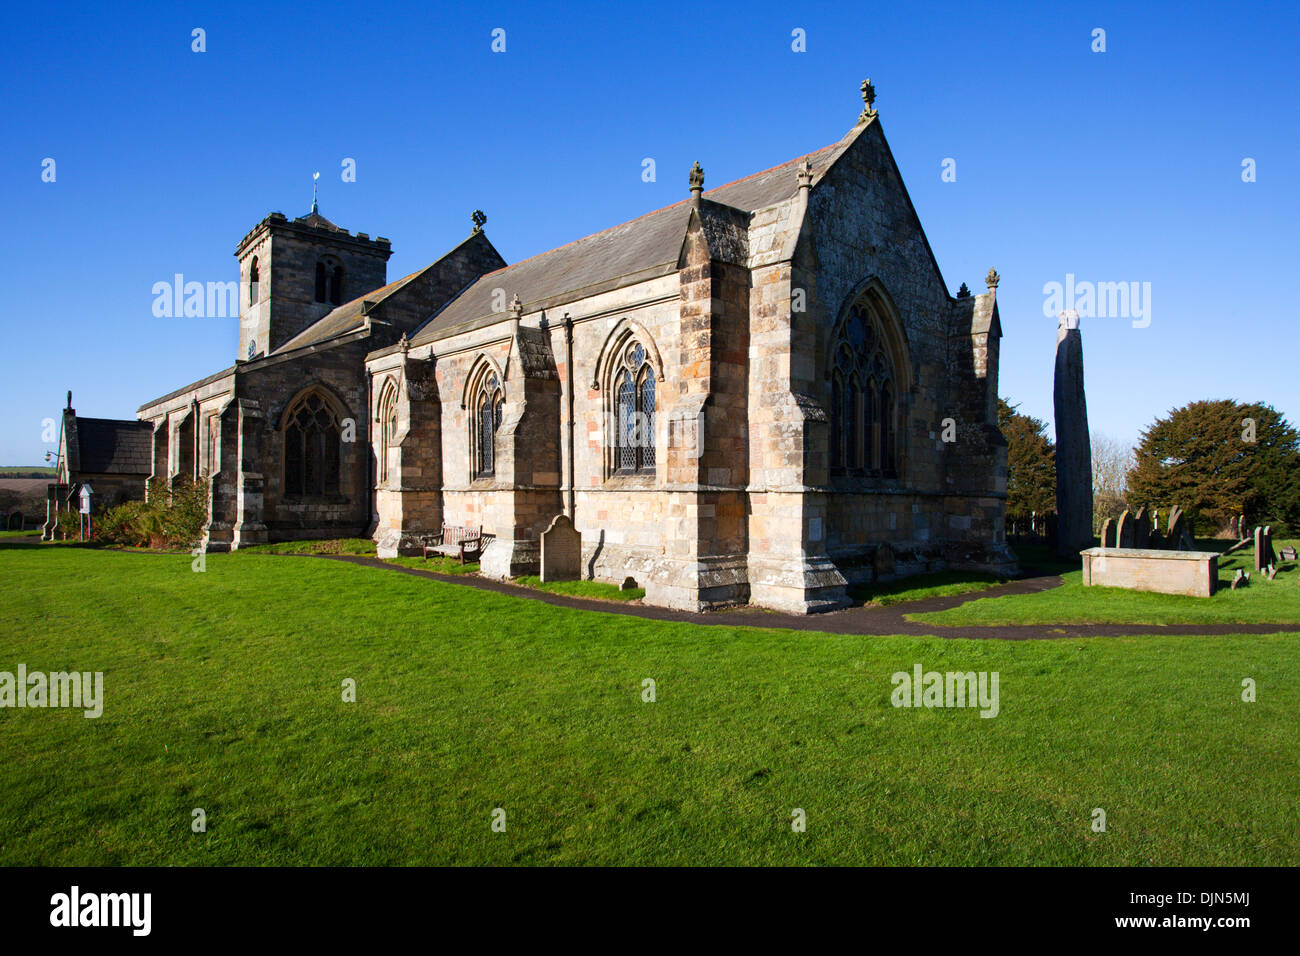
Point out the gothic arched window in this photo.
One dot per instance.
(634, 412)
(252, 282)
(336, 286)
(387, 428)
(489, 403)
(863, 420)
(312, 445)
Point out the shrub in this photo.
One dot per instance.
(185, 514)
(170, 518)
(69, 525)
(124, 524)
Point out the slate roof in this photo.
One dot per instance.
(634, 251)
(317, 221)
(188, 388)
(110, 446)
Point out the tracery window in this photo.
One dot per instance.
(634, 412)
(489, 403)
(312, 445)
(863, 434)
(387, 429)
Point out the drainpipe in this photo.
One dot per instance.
(568, 416)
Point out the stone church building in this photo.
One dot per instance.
(763, 393)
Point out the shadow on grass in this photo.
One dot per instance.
(921, 586)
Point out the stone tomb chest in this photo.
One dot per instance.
(1194, 573)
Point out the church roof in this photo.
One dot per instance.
(110, 446)
(317, 221)
(634, 251)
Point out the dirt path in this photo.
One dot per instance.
(868, 621)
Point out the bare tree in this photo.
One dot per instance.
(1112, 460)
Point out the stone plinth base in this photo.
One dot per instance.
(699, 585)
(509, 558)
(797, 586)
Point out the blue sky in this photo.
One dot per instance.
(1122, 166)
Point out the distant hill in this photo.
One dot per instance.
(25, 471)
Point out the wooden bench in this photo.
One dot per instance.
(454, 541)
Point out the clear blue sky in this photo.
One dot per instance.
(1115, 166)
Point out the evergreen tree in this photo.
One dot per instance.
(1202, 458)
(1031, 464)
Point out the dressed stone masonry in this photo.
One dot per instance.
(739, 397)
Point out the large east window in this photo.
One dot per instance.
(864, 414)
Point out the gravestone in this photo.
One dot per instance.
(1270, 556)
(1124, 533)
(1239, 579)
(1242, 531)
(561, 551)
(1157, 541)
(1142, 529)
(1259, 548)
(629, 584)
(1108, 533)
(1288, 554)
(1073, 447)
(1174, 512)
(1179, 534)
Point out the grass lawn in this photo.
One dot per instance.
(938, 584)
(1262, 602)
(437, 562)
(326, 546)
(587, 589)
(20, 534)
(222, 691)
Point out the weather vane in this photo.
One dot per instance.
(314, 178)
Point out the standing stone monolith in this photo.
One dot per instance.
(1073, 447)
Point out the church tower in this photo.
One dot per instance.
(295, 271)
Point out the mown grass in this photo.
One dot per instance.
(315, 546)
(938, 584)
(223, 691)
(1262, 602)
(589, 589)
(437, 562)
(20, 534)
